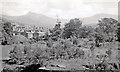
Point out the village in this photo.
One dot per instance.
(28, 31)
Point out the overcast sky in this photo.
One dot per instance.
(62, 8)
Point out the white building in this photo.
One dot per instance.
(29, 34)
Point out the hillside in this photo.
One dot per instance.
(48, 22)
(94, 19)
(32, 19)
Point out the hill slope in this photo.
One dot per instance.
(32, 19)
(47, 22)
(93, 20)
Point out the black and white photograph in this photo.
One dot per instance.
(59, 36)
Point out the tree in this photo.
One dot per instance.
(107, 28)
(85, 32)
(8, 28)
(7, 32)
(16, 54)
(72, 28)
(56, 32)
(118, 32)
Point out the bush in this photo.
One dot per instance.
(39, 53)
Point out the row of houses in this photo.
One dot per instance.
(28, 31)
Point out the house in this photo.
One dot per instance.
(27, 30)
(29, 34)
(41, 33)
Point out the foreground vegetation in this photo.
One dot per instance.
(91, 45)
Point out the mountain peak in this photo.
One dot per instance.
(30, 13)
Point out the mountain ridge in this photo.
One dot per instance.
(48, 22)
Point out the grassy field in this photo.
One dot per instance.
(75, 64)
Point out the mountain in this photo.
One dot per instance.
(93, 20)
(32, 19)
(48, 22)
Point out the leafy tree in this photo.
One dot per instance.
(107, 28)
(56, 32)
(72, 28)
(8, 28)
(7, 32)
(85, 32)
(118, 32)
(17, 54)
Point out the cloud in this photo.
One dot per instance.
(63, 8)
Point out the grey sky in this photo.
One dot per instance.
(63, 8)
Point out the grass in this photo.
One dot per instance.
(72, 63)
